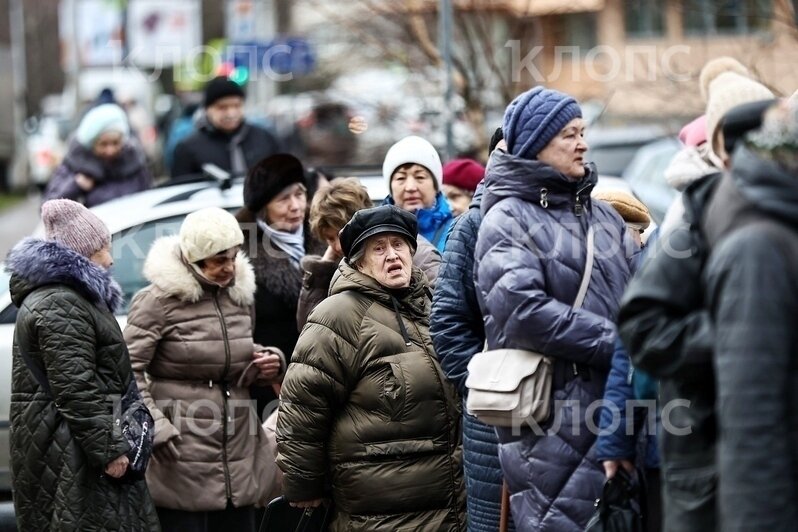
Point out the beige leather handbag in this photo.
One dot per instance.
(507, 387)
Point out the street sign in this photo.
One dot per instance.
(282, 56)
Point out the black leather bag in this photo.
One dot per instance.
(618, 509)
(131, 417)
(137, 425)
(280, 516)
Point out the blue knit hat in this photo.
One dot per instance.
(535, 117)
(105, 117)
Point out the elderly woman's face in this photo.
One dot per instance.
(108, 145)
(566, 152)
(286, 212)
(103, 257)
(220, 268)
(413, 187)
(388, 259)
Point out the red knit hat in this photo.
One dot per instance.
(463, 173)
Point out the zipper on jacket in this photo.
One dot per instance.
(449, 424)
(225, 389)
(544, 198)
(579, 209)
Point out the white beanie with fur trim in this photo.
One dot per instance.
(414, 150)
(725, 84)
(206, 232)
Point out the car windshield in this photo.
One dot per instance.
(612, 160)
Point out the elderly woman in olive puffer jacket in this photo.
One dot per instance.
(190, 339)
(365, 408)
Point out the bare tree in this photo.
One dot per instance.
(406, 33)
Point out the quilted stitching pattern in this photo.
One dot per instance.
(58, 452)
(529, 262)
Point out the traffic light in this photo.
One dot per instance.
(240, 75)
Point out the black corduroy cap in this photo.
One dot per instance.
(377, 220)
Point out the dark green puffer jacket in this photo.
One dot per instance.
(366, 409)
(59, 448)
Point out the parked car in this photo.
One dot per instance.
(613, 148)
(646, 175)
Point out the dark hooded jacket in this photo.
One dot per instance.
(366, 408)
(61, 443)
(666, 327)
(210, 145)
(530, 256)
(751, 226)
(126, 174)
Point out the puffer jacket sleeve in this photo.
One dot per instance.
(315, 387)
(515, 303)
(144, 329)
(663, 321)
(617, 444)
(315, 285)
(428, 260)
(62, 185)
(755, 374)
(67, 339)
(184, 161)
(456, 323)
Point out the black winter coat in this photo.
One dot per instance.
(751, 226)
(209, 145)
(667, 330)
(60, 446)
(668, 333)
(279, 282)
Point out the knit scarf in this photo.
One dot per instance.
(293, 244)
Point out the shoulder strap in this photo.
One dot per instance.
(580, 297)
(37, 372)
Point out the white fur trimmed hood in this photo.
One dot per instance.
(165, 269)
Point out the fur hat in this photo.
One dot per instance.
(777, 137)
(463, 173)
(269, 177)
(725, 84)
(72, 225)
(100, 119)
(632, 210)
(415, 150)
(206, 232)
(534, 118)
(221, 87)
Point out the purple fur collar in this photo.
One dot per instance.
(41, 262)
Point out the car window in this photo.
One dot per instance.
(130, 248)
(612, 160)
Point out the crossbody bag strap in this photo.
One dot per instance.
(580, 297)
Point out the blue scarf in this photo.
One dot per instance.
(434, 222)
(292, 243)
